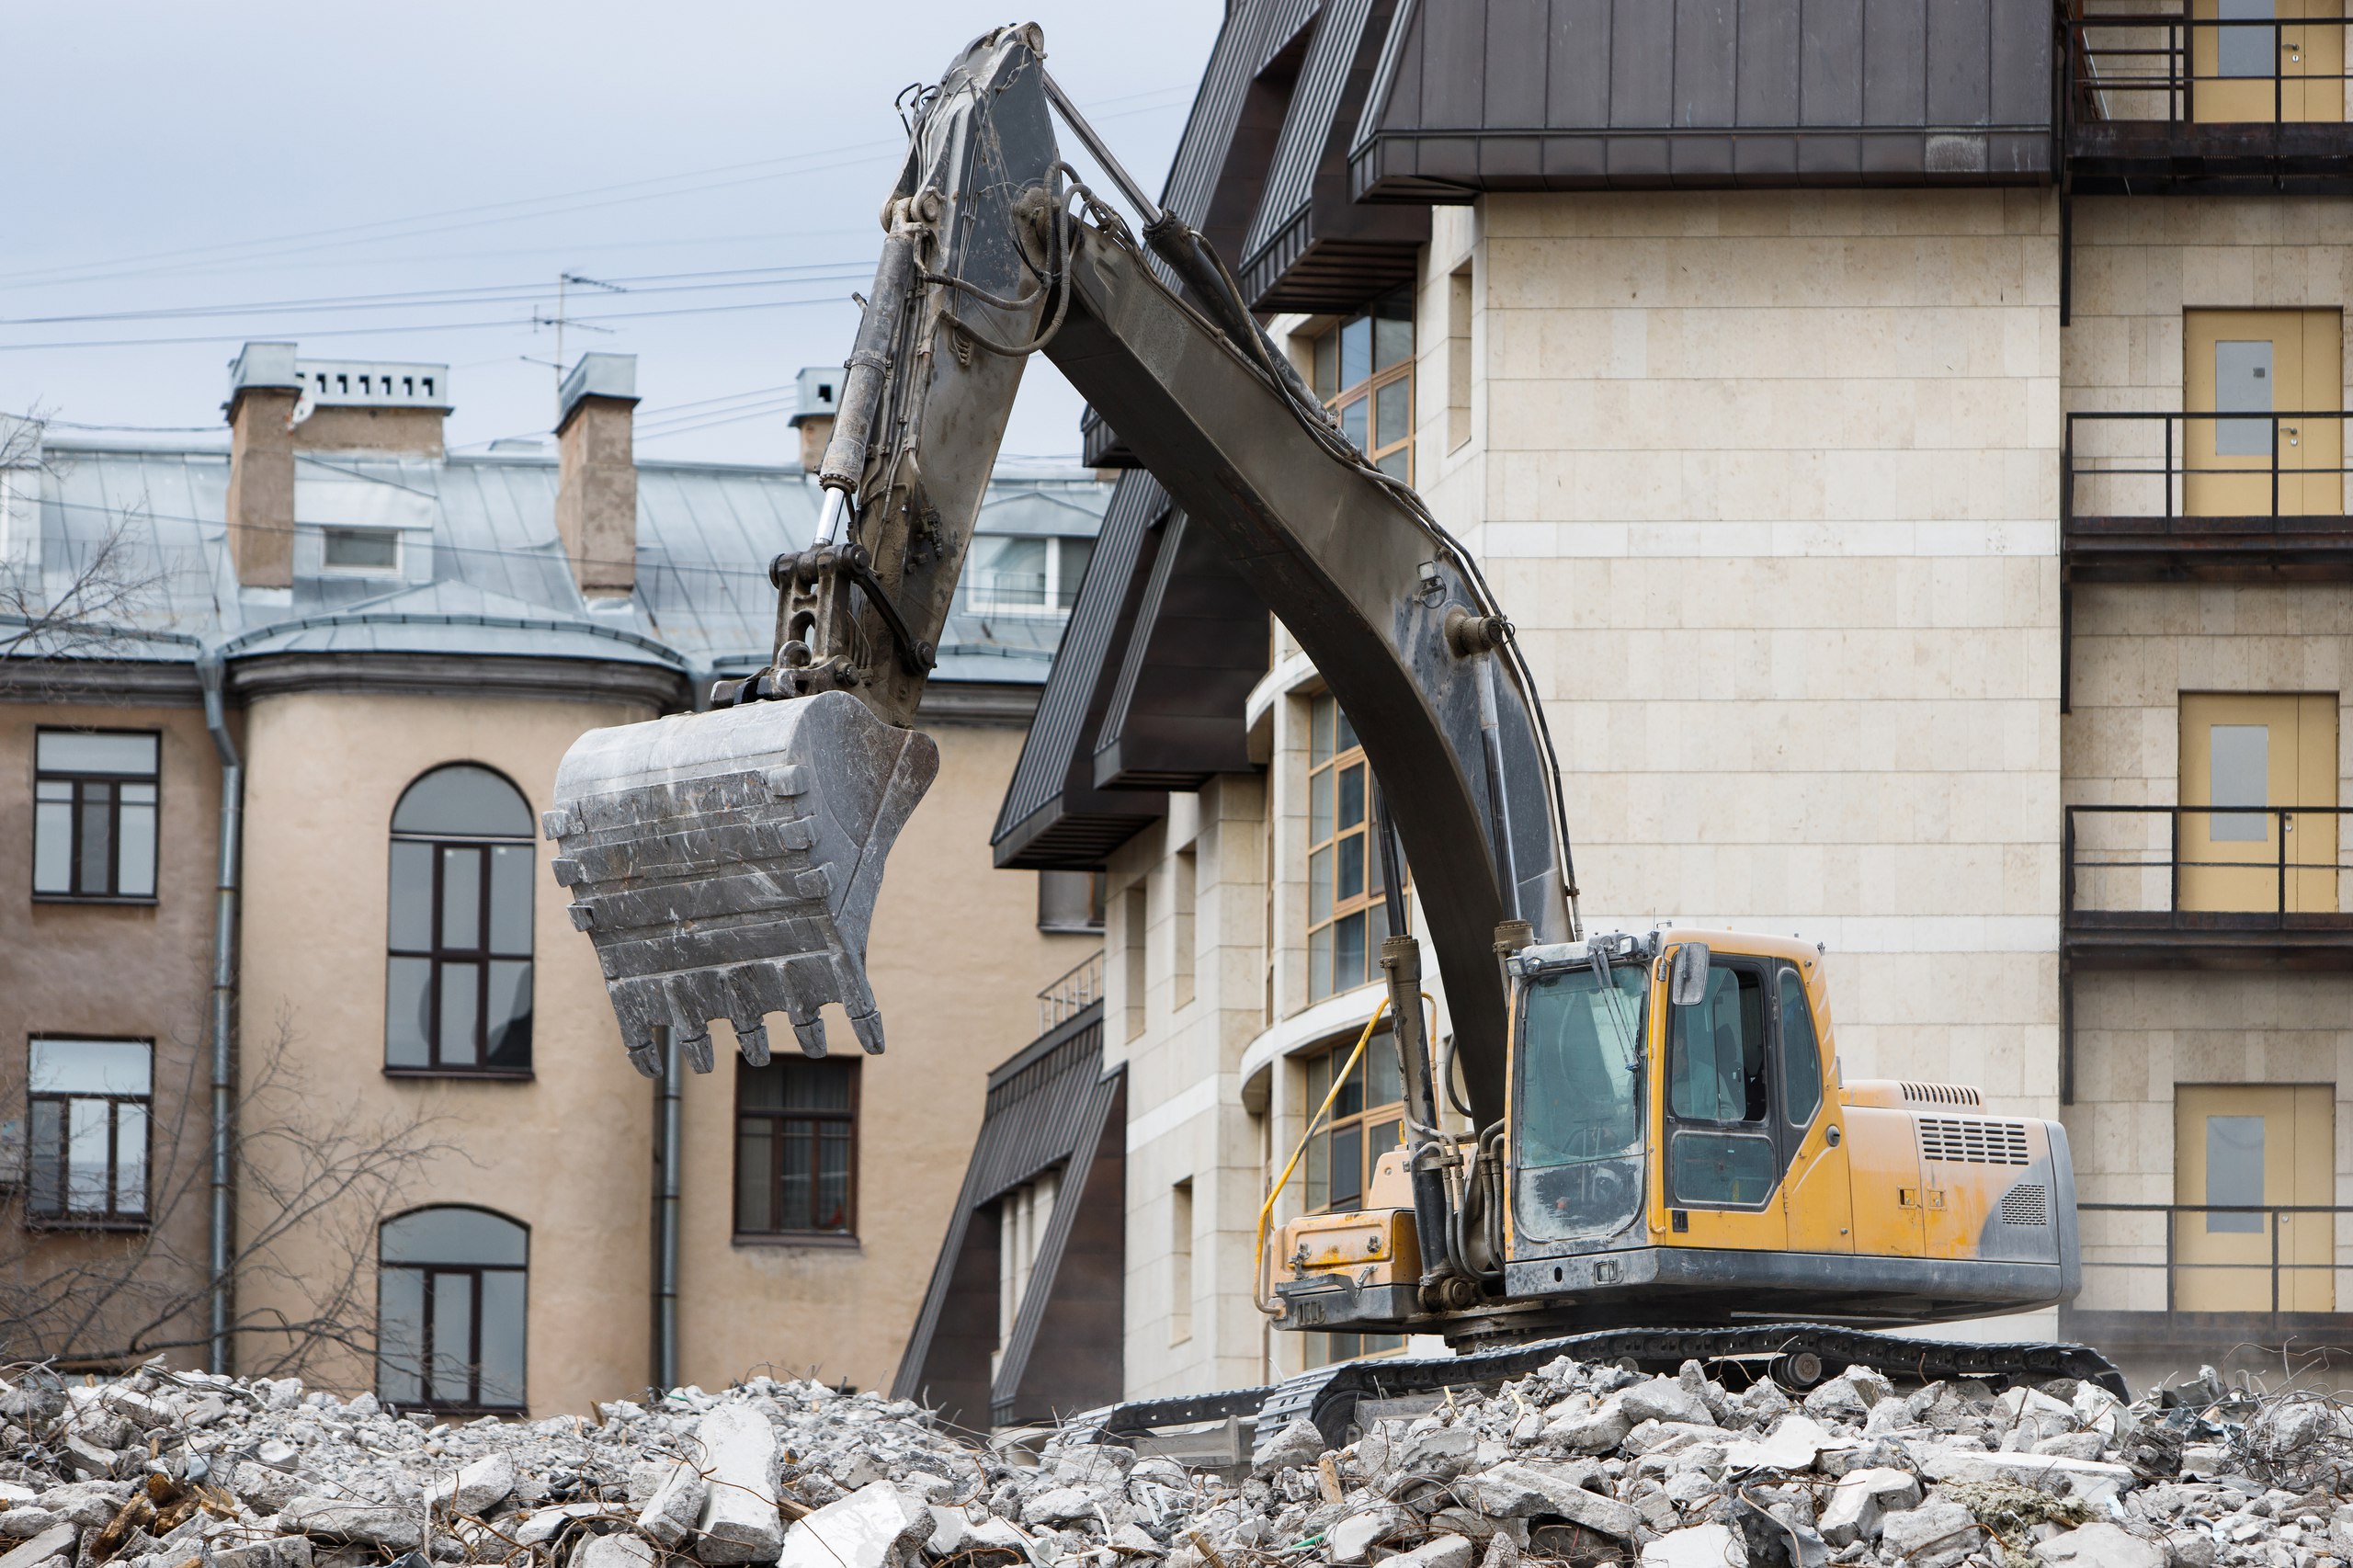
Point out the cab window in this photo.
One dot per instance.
(1721, 1153)
(1801, 1051)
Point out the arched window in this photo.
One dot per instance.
(450, 1309)
(458, 983)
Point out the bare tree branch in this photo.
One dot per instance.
(51, 612)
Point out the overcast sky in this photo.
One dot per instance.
(700, 153)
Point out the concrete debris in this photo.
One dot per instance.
(1572, 1466)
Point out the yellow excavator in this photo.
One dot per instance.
(1665, 1159)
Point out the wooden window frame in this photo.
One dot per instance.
(472, 1404)
(114, 1217)
(845, 1235)
(1395, 456)
(1328, 760)
(112, 783)
(441, 957)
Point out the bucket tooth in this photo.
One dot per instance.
(726, 865)
(647, 1059)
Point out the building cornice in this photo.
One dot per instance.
(979, 703)
(458, 674)
(142, 682)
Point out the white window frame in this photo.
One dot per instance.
(1062, 586)
(327, 531)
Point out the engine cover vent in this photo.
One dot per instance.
(1942, 1094)
(1973, 1139)
(2029, 1203)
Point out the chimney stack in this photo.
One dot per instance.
(264, 388)
(820, 392)
(596, 498)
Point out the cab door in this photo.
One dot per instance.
(1816, 1195)
(1726, 1143)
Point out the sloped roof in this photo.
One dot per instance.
(481, 571)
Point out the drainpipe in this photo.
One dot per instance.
(210, 672)
(667, 1091)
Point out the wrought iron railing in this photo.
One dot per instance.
(2160, 465)
(1070, 992)
(2128, 865)
(2143, 1257)
(2130, 62)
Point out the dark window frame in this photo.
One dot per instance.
(112, 784)
(815, 1119)
(115, 1218)
(442, 956)
(473, 1404)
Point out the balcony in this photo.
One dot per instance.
(2158, 100)
(2206, 887)
(2205, 497)
(1070, 992)
(2177, 1284)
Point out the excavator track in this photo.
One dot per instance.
(1796, 1353)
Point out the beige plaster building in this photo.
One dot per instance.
(1876, 428)
(447, 1183)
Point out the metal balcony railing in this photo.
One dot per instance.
(2184, 466)
(2206, 868)
(2130, 62)
(2174, 1258)
(1070, 992)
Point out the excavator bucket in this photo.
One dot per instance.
(726, 865)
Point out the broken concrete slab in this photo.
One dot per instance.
(737, 1450)
(871, 1528)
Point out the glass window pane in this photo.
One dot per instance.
(408, 993)
(755, 1175)
(1800, 1052)
(1071, 570)
(461, 1011)
(760, 1088)
(1317, 1181)
(1319, 1078)
(795, 1162)
(135, 869)
(450, 1299)
(1392, 413)
(1376, 931)
(96, 872)
(1349, 1101)
(1343, 734)
(1010, 571)
(1716, 1064)
(88, 1067)
(510, 1014)
(1347, 951)
(61, 751)
(1319, 886)
(1381, 1084)
(1319, 963)
(53, 845)
(1319, 743)
(1349, 882)
(2239, 774)
(464, 800)
(511, 886)
(143, 794)
(361, 548)
(1327, 364)
(1351, 795)
(47, 1181)
(409, 923)
(1348, 1166)
(453, 1235)
(1355, 423)
(2247, 51)
(460, 897)
(1392, 332)
(1319, 807)
(2243, 384)
(833, 1176)
(2235, 1170)
(1718, 1168)
(817, 1085)
(505, 1324)
(1356, 350)
(400, 1335)
(129, 1158)
(1398, 464)
(89, 1129)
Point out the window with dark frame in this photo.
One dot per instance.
(458, 975)
(796, 1147)
(452, 1283)
(95, 802)
(88, 1108)
(1364, 373)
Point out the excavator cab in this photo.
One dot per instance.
(1679, 1149)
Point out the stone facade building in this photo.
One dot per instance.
(447, 1185)
(1908, 437)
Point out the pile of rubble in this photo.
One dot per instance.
(1577, 1464)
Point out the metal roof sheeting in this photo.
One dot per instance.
(480, 568)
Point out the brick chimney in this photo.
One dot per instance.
(596, 497)
(821, 391)
(264, 388)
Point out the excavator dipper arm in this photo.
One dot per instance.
(993, 251)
